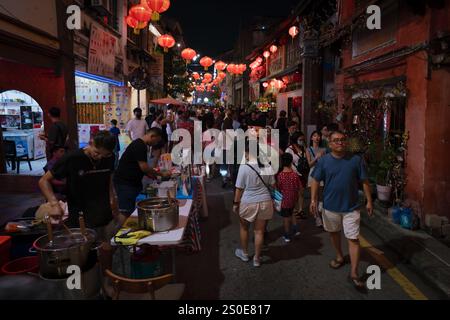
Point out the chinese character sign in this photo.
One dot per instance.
(102, 50)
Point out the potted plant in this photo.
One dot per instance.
(384, 173)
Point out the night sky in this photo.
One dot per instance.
(211, 26)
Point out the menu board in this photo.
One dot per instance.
(102, 48)
(91, 91)
(119, 108)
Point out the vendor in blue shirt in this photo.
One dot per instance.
(342, 174)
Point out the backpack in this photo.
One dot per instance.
(302, 164)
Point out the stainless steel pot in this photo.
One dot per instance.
(158, 214)
(63, 251)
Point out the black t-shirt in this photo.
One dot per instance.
(57, 134)
(88, 186)
(129, 173)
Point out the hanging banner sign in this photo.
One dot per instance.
(102, 48)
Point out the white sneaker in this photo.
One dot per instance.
(256, 263)
(319, 222)
(241, 255)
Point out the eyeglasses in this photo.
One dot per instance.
(343, 140)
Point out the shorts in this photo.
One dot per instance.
(286, 212)
(333, 222)
(126, 196)
(259, 210)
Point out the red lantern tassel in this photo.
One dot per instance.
(166, 49)
(136, 30)
(155, 16)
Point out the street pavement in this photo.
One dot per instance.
(295, 271)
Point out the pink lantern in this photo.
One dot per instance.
(293, 31)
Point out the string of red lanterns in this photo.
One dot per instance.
(139, 15)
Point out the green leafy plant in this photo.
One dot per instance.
(386, 165)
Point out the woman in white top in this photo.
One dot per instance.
(253, 203)
(157, 122)
(313, 154)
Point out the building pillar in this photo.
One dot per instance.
(67, 71)
(311, 80)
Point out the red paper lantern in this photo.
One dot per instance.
(231, 68)
(208, 76)
(166, 6)
(140, 13)
(220, 65)
(221, 75)
(195, 75)
(188, 54)
(131, 22)
(273, 48)
(166, 41)
(136, 25)
(293, 31)
(241, 68)
(158, 6)
(259, 60)
(206, 62)
(266, 54)
(145, 4)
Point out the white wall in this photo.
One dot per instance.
(282, 99)
(37, 13)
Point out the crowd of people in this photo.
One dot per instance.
(102, 185)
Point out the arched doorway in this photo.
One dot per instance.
(22, 124)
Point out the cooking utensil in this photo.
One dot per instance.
(157, 214)
(64, 251)
(82, 223)
(49, 231)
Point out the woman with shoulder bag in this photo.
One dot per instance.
(253, 203)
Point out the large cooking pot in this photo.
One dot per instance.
(158, 214)
(66, 249)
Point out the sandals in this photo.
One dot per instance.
(301, 215)
(358, 283)
(336, 264)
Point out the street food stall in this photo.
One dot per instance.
(166, 219)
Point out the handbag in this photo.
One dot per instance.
(276, 195)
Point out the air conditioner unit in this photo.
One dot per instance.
(102, 6)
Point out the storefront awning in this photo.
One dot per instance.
(98, 78)
(282, 73)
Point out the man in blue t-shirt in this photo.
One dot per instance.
(342, 173)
